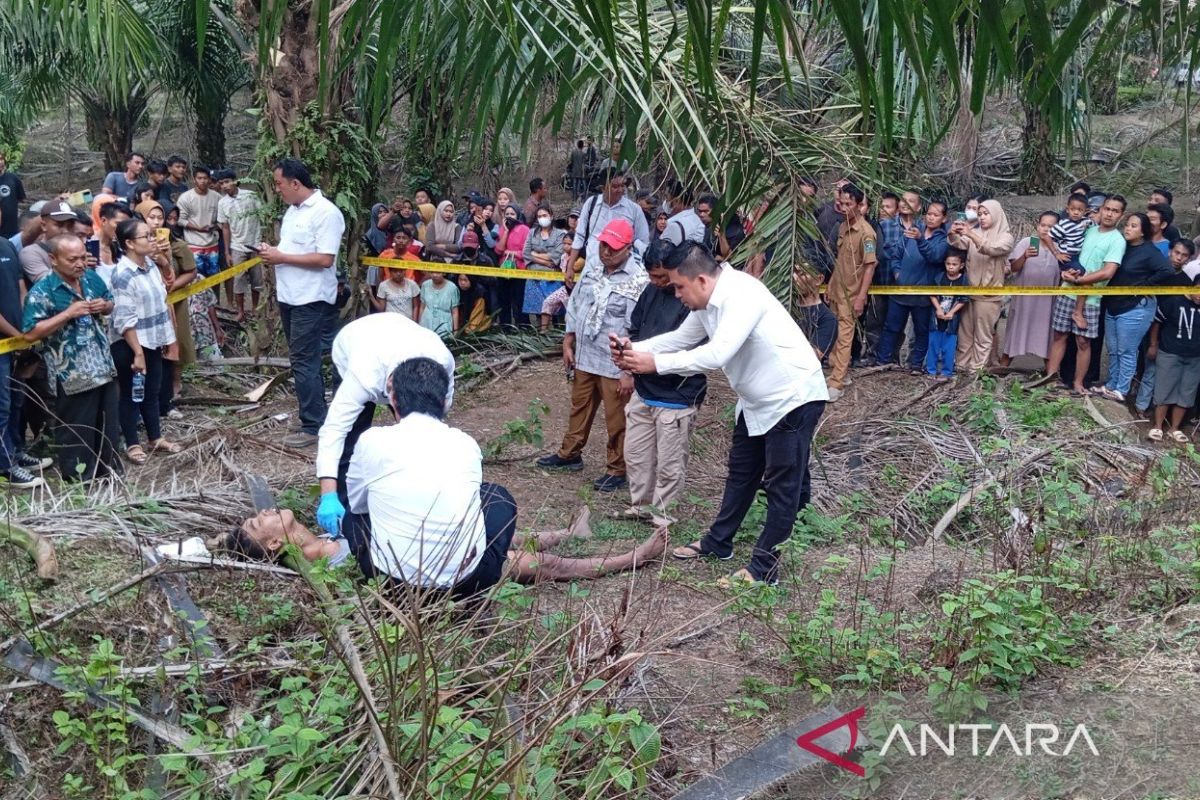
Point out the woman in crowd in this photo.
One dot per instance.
(1127, 318)
(1033, 263)
(543, 251)
(505, 198)
(262, 537)
(660, 225)
(142, 320)
(178, 269)
(473, 313)
(510, 246)
(988, 248)
(443, 237)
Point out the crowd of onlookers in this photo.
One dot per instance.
(88, 278)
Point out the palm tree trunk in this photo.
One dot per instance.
(210, 134)
(112, 122)
(1040, 173)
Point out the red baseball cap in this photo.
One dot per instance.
(617, 234)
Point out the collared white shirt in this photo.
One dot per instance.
(240, 213)
(596, 214)
(140, 302)
(754, 341)
(365, 353)
(686, 226)
(314, 226)
(419, 479)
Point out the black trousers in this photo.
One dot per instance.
(149, 409)
(499, 522)
(87, 433)
(778, 462)
(365, 418)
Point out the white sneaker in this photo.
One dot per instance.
(174, 413)
(834, 394)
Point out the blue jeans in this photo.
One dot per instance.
(942, 345)
(1145, 395)
(307, 328)
(207, 264)
(1122, 336)
(893, 333)
(9, 446)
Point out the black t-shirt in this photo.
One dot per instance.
(11, 276)
(659, 311)
(1179, 321)
(1143, 265)
(12, 192)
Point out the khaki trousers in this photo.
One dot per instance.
(839, 354)
(976, 330)
(656, 454)
(587, 393)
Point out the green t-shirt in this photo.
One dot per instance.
(1099, 249)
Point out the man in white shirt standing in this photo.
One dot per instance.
(599, 210)
(306, 286)
(365, 353)
(420, 512)
(237, 214)
(781, 395)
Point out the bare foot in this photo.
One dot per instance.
(241, 315)
(653, 547)
(1080, 320)
(581, 523)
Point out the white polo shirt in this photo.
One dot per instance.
(754, 341)
(314, 226)
(366, 352)
(419, 479)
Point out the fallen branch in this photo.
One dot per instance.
(967, 497)
(250, 361)
(257, 394)
(92, 602)
(38, 547)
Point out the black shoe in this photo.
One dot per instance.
(610, 483)
(21, 478)
(30, 462)
(554, 461)
(866, 363)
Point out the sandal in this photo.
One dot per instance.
(1155, 435)
(1179, 437)
(165, 446)
(690, 552)
(136, 454)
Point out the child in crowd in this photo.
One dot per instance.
(815, 318)
(439, 304)
(1175, 348)
(399, 294)
(555, 303)
(943, 328)
(1066, 240)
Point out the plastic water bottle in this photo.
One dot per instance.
(138, 393)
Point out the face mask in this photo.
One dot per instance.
(544, 222)
(510, 223)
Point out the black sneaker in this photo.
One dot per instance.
(610, 483)
(31, 462)
(554, 461)
(21, 478)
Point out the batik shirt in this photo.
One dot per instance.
(76, 354)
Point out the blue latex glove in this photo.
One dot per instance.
(330, 513)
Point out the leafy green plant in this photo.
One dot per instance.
(520, 431)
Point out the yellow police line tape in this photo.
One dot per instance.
(466, 269)
(1026, 291)
(13, 344)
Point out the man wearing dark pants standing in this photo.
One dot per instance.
(306, 285)
(781, 395)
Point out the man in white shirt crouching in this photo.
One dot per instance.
(420, 512)
(781, 395)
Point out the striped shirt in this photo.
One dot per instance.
(1067, 235)
(140, 302)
